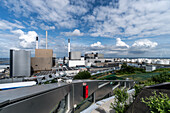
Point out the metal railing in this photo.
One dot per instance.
(58, 97)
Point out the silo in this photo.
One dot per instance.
(20, 63)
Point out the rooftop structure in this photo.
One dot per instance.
(43, 53)
(75, 55)
(41, 63)
(20, 63)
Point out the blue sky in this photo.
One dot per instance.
(116, 28)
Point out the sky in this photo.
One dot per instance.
(116, 28)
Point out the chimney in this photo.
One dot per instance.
(46, 39)
(37, 42)
(68, 47)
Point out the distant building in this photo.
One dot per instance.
(41, 63)
(90, 56)
(43, 60)
(75, 63)
(150, 68)
(99, 56)
(75, 55)
(43, 53)
(94, 56)
(20, 63)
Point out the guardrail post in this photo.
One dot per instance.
(94, 97)
(125, 83)
(68, 103)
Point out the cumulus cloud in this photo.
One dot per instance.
(120, 43)
(142, 46)
(27, 40)
(97, 44)
(144, 43)
(139, 47)
(76, 32)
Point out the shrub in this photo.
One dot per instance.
(120, 104)
(158, 103)
(149, 83)
(138, 88)
(129, 69)
(162, 77)
(157, 79)
(83, 75)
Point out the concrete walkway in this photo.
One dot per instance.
(103, 106)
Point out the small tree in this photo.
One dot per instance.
(158, 103)
(120, 103)
(83, 75)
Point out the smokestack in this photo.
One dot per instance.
(46, 39)
(37, 42)
(68, 47)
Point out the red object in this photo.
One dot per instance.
(85, 91)
(84, 84)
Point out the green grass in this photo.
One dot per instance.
(138, 77)
(110, 77)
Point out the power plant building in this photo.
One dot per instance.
(20, 63)
(41, 63)
(94, 56)
(43, 60)
(75, 59)
(99, 55)
(43, 53)
(90, 56)
(76, 55)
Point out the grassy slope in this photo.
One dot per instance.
(140, 77)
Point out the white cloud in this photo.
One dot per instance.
(76, 32)
(142, 46)
(133, 18)
(9, 25)
(46, 27)
(120, 43)
(19, 31)
(144, 43)
(27, 40)
(14, 48)
(58, 12)
(97, 44)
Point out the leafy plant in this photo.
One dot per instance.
(83, 75)
(129, 69)
(158, 103)
(149, 83)
(138, 88)
(120, 103)
(162, 77)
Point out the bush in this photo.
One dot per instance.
(157, 79)
(162, 77)
(138, 88)
(120, 104)
(149, 83)
(83, 75)
(158, 103)
(129, 69)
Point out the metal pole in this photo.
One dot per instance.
(46, 39)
